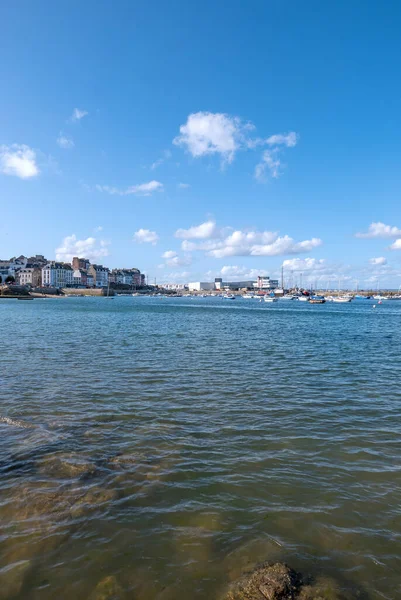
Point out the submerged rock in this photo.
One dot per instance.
(66, 465)
(12, 579)
(107, 589)
(17, 423)
(92, 499)
(322, 589)
(279, 582)
(267, 582)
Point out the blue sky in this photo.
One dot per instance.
(193, 139)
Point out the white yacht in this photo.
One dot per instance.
(341, 299)
(270, 299)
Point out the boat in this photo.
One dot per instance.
(342, 299)
(303, 298)
(317, 300)
(248, 296)
(288, 297)
(229, 297)
(270, 299)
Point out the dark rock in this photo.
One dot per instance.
(267, 582)
(66, 465)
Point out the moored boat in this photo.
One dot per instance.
(341, 299)
(317, 300)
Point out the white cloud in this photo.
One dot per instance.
(172, 259)
(78, 114)
(160, 161)
(286, 245)
(91, 248)
(234, 272)
(143, 189)
(270, 163)
(178, 261)
(183, 186)
(396, 245)
(18, 160)
(206, 133)
(283, 139)
(213, 133)
(380, 260)
(218, 243)
(175, 276)
(200, 232)
(64, 141)
(277, 247)
(305, 264)
(146, 236)
(380, 230)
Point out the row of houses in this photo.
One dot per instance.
(36, 271)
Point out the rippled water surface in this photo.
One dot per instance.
(165, 445)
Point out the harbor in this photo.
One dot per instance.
(179, 449)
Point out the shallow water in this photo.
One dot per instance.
(178, 441)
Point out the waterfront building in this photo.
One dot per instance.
(265, 283)
(29, 275)
(80, 263)
(175, 286)
(9, 268)
(37, 261)
(127, 277)
(57, 274)
(80, 277)
(100, 275)
(237, 285)
(198, 286)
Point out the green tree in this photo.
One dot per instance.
(10, 279)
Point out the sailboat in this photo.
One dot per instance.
(108, 292)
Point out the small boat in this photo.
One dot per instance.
(288, 297)
(317, 300)
(270, 299)
(229, 297)
(341, 299)
(303, 298)
(248, 296)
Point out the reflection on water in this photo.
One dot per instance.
(172, 444)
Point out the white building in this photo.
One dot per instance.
(58, 275)
(10, 268)
(175, 286)
(265, 283)
(29, 276)
(197, 286)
